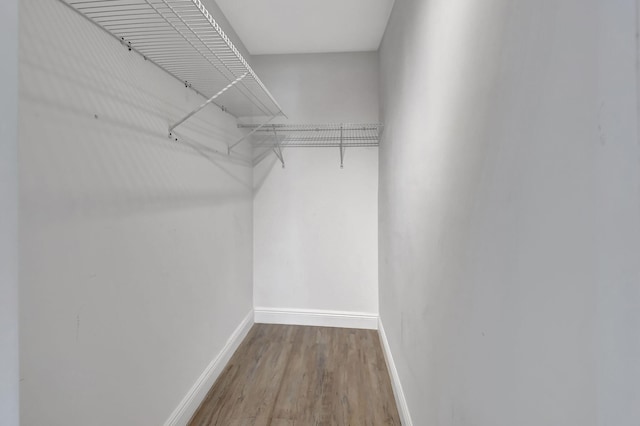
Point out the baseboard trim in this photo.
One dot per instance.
(401, 402)
(317, 318)
(190, 403)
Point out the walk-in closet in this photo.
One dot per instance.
(319, 212)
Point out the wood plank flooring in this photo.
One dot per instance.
(284, 375)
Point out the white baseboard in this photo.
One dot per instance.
(401, 402)
(190, 403)
(316, 318)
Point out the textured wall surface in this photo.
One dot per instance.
(135, 251)
(9, 214)
(509, 206)
(315, 224)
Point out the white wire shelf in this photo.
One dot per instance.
(183, 38)
(274, 137)
(316, 135)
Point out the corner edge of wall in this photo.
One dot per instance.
(398, 393)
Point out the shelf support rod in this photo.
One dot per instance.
(250, 133)
(341, 148)
(278, 148)
(211, 99)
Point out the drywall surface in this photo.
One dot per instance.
(315, 225)
(9, 214)
(135, 250)
(509, 206)
(323, 87)
(315, 233)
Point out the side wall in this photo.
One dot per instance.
(9, 213)
(135, 251)
(315, 224)
(509, 233)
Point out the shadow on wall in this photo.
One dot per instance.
(94, 129)
(263, 170)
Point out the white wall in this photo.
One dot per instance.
(509, 206)
(135, 251)
(9, 213)
(315, 225)
(323, 87)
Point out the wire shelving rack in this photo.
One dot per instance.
(183, 38)
(275, 137)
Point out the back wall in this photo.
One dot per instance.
(315, 225)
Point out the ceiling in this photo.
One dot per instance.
(308, 26)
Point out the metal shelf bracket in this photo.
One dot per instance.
(245, 137)
(277, 148)
(211, 99)
(342, 147)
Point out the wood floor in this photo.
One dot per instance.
(283, 375)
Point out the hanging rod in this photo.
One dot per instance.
(183, 38)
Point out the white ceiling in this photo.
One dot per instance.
(308, 26)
